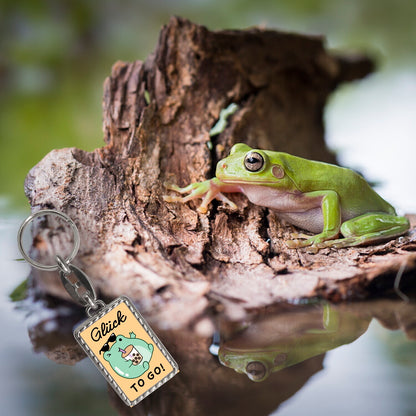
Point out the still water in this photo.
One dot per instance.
(348, 359)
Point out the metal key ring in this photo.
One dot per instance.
(40, 213)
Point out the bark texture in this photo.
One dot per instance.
(176, 263)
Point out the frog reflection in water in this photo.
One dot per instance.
(287, 339)
(128, 357)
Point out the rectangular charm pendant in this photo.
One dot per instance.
(126, 350)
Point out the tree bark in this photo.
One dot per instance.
(179, 265)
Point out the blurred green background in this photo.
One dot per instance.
(55, 55)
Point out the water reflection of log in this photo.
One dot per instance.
(391, 314)
(289, 342)
(204, 387)
(50, 331)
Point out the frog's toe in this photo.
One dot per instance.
(223, 198)
(292, 243)
(172, 187)
(298, 243)
(170, 198)
(202, 209)
(299, 235)
(181, 199)
(310, 246)
(313, 249)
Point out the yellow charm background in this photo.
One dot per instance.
(131, 324)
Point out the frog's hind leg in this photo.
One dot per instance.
(368, 229)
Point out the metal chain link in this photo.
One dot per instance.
(88, 297)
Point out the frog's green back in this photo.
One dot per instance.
(356, 195)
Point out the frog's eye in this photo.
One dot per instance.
(253, 161)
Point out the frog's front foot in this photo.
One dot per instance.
(173, 187)
(207, 190)
(195, 190)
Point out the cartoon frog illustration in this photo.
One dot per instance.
(128, 357)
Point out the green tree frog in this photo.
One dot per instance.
(324, 199)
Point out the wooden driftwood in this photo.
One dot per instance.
(181, 266)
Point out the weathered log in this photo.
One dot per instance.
(176, 263)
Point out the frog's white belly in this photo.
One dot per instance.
(295, 208)
(311, 220)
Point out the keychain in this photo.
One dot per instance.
(115, 337)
